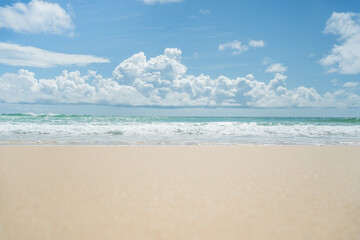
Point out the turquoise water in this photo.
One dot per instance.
(54, 129)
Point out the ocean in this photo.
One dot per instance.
(57, 129)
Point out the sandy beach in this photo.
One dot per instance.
(179, 192)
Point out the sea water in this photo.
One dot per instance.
(54, 129)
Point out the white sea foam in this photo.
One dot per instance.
(123, 131)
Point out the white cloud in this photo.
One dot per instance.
(335, 82)
(311, 55)
(276, 67)
(204, 11)
(160, 1)
(234, 45)
(16, 55)
(163, 81)
(266, 61)
(35, 17)
(351, 84)
(69, 87)
(344, 58)
(238, 47)
(255, 44)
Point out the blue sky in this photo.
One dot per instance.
(242, 54)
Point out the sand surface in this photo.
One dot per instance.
(180, 192)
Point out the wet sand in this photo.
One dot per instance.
(179, 192)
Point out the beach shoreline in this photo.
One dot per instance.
(179, 192)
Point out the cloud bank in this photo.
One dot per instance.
(344, 58)
(36, 17)
(163, 81)
(238, 47)
(26, 56)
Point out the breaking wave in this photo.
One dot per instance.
(117, 130)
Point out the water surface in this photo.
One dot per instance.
(118, 130)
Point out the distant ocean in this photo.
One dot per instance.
(53, 129)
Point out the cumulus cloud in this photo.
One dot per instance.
(36, 17)
(69, 87)
(238, 47)
(276, 67)
(16, 55)
(163, 81)
(160, 1)
(351, 84)
(345, 57)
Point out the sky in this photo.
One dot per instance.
(151, 55)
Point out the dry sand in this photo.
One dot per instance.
(180, 192)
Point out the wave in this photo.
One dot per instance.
(179, 132)
(41, 115)
(88, 129)
(258, 120)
